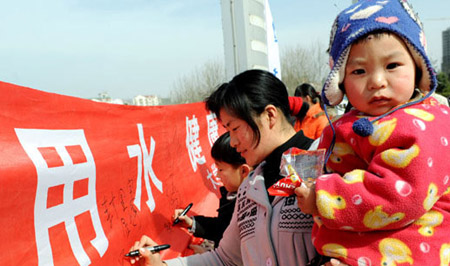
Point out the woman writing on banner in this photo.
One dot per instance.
(264, 230)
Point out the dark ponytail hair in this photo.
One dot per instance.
(247, 95)
(306, 89)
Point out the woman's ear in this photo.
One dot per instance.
(309, 99)
(245, 170)
(272, 114)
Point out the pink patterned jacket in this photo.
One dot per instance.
(387, 201)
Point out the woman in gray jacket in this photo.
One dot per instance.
(264, 230)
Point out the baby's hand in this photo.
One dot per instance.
(306, 199)
(335, 262)
(185, 220)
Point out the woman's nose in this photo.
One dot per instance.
(233, 142)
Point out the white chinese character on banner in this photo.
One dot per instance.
(193, 143)
(63, 162)
(213, 128)
(144, 156)
(212, 176)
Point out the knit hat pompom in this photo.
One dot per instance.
(364, 17)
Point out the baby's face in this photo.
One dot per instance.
(379, 75)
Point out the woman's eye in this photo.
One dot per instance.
(392, 65)
(234, 129)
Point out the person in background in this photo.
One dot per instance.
(298, 108)
(386, 198)
(232, 170)
(264, 229)
(315, 119)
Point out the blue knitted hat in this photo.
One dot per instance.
(367, 16)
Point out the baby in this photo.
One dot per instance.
(387, 198)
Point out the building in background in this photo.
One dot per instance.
(105, 98)
(139, 100)
(146, 100)
(445, 67)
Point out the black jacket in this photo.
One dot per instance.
(212, 228)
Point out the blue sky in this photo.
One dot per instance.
(128, 47)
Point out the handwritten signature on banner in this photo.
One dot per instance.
(116, 207)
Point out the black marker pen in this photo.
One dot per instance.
(183, 213)
(152, 249)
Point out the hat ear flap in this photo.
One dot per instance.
(331, 93)
(423, 77)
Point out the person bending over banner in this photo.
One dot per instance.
(264, 230)
(232, 170)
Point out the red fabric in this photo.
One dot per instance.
(295, 104)
(388, 200)
(71, 170)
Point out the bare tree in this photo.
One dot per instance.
(197, 85)
(300, 64)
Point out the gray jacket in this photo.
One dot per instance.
(260, 233)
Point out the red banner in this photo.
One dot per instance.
(80, 181)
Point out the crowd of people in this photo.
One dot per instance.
(385, 196)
